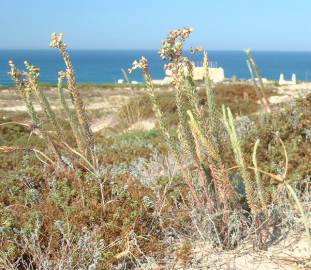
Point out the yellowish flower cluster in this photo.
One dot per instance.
(57, 41)
(173, 45)
(15, 73)
(140, 64)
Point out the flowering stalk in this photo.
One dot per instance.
(18, 77)
(57, 42)
(143, 64)
(74, 124)
(257, 79)
(22, 84)
(236, 146)
(191, 132)
(258, 178)
(32, 84)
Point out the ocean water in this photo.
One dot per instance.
(104, 66)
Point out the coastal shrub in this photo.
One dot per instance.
(72, 199)
(200, 144)
(69, 209)
(240, 97)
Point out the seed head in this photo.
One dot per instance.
(172, 46)
(141, 64)
(57, 41)
(14, 72)
(33, 71)
(61, 75)
(205, 60)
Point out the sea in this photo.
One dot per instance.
(105, 66)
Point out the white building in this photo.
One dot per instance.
(282, 80)
(216, 75)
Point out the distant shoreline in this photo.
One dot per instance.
(104, 66)
(156, 50)
(142, 84)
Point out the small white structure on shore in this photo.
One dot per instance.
(282, 81)
(264, 80)
(216, 75)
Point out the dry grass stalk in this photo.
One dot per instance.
(33, 87)
(74, 124)
(196, 139)
(57, 42)
(143, 64)
(257, 80)
(236, 147)
(23, 87)
(261, 192)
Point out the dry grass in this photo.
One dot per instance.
(127, 200)
(241, 98)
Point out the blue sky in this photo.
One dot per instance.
(143, 24)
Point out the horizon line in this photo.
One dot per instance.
(110, 49)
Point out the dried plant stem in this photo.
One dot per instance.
(235, 144)
(31, 110)
(257, 175)
(281, 180)
(197, 130)
(257, 89)
(74, 124)
(57, 42)
(90, 167)
(302, 213)
(23, 86)
(49, 112)
(214, 122)
(33, 74)
(143, 64)
(296, 199)
(257, 79)
(214, 133)
(9, 149)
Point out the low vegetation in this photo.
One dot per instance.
(218, 167)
